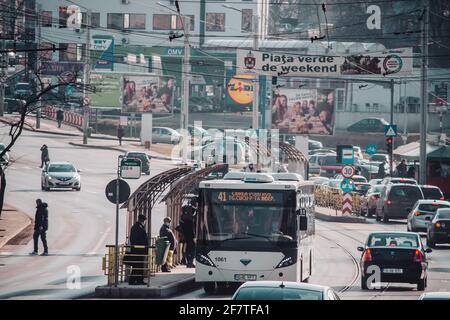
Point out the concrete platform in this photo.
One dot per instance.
(162, 285)
(332, 215)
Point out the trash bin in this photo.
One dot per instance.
(162, 249)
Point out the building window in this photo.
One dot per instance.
(215, 22)
(71, 52)
(126, 21)
(46, 20)
(247, 17)
(95, 20)
(170, 22)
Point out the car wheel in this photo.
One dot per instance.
(370, 213)
(209, 287)
(422, 284)
(46, 188)
(364, 283)
(378, 218)
(385, 219)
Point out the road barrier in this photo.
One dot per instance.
(331, 198)
(71, 118)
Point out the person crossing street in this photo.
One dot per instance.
(40, 227)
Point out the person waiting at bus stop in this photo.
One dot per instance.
(138, 237)
(187, 227)
(165, 231)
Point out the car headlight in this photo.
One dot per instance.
(49, 178)
(286, 262)
(204, 260)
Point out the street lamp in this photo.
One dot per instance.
(255, 105)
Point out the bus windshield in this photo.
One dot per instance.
(243, 221)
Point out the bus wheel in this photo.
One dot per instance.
(209, 287)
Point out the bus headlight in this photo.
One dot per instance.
(286, 262)
(204, 260)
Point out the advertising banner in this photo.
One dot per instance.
(395, 62)
(303, 111)
(103, 51)
(61, 69)
(107, 91)
(151, 93)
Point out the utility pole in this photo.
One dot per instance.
(424, 95)
(38, 66)
(391, 122)
(185, 105)
(3, 64)
(86, 76)
(255, 107)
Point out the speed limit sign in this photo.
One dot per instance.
(348, 171)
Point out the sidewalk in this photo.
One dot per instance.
(162, 285)
(12, 223)
(332, 215)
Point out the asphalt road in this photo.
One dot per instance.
(337, 264)
(80, 223)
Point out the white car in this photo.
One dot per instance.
(60, 175)
(358, 153)
(165, 135)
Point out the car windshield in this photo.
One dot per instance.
(23, 86)
(432, 193)
(328, 161)
(141, 156)
(379, 158)
(401, 240)
(444, 214)
(270, 293)
(61, 168)
(432, 207)
(405, 192)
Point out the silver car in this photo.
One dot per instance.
(423, 212)
(165, 135)
(60, 175)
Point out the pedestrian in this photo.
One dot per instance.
(59, 117)
(40, 227)
(250, 168)
(401, 169)
(187, 223)
(45, 156)
(165, 231)
(120, 134)
(411, 172)
(138, 237)
(381, 171)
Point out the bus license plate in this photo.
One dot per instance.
(245, 277)
(393, 270)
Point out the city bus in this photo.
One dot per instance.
(254, 226)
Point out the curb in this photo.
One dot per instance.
(5, 240)
(114, 149)
(147, 292)
(344, 219)
(28, 127)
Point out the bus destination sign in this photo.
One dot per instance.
(247, 196)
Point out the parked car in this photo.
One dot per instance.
(5, 159)
(399, 257)
(370, 199)
(375, 125)
(314, 166)
(58, 175)
(199, 133)
(283, 290)
(145, 160)
(396, 201)
(23, 90)
(435, 296)
(423, 212)
(395, 180)
(14, 105)
(165, 135)
(432, 192)
(438, 231)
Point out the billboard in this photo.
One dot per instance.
(303, 111)
(107, 91)
(102, 47)
(150, 93)
(240, 89)
(396, 62)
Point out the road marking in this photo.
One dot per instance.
(100, 242)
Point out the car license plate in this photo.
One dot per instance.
(392, 270)
(245, 277)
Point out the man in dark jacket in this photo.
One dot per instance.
(138, 237)
(381, 171)
(401, 169)
(165, 231)
(45, 157)
(120, 134)
(59, 117)
(188, 229)
(40, 227)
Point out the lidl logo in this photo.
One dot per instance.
(240, 89)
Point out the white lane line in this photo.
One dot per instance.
(100, 242)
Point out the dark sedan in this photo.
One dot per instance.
(438, 230)
(394, 257)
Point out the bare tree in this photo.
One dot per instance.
(44, 92)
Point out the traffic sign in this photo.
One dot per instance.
(348, 171)
(348, 156)
(371, 149)
(130, 168)
(124, 191)
(347, 203)
(347, 185)
(390, 130)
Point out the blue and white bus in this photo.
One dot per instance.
(254, 226)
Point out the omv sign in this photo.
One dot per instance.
(174, 51)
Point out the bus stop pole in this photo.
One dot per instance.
(116, 252)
